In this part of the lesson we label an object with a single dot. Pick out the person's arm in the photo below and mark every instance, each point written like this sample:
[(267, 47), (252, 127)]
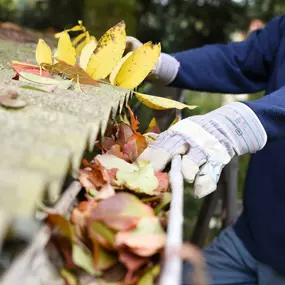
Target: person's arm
[(242, 67), (270, 111)]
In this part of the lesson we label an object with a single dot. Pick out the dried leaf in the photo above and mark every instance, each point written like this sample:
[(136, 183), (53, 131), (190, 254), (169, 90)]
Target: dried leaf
[(132, 262), (134, 146), (72, 72), (116, 150), (6, 101), (65, 50), (108, 52), (134, 121), (121, 212), (43, 53), (146, 239), (86, 53), (137, 66), (160, 103), (62, 223), (97, 175)]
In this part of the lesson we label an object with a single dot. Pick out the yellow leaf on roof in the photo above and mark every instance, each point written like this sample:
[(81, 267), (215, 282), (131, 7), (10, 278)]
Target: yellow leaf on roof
[(76, 28), (108, 52), (43, 53), (160, 103), (137, 66), (65, 49), (118, 67), (86, 53)]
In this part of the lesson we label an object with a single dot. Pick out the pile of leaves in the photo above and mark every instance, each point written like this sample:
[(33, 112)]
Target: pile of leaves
[(118, 233)]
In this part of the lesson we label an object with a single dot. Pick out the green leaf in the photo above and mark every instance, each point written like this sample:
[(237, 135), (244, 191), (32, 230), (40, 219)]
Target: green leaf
[(149, 277), (142, 181), (166, 199), (83, 259)]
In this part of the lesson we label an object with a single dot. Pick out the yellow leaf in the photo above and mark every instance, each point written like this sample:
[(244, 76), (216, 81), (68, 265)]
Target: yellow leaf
[(136, 68), (118, 67), (108, 52), (79, 38), (86, 53), (160, 103), (65, 49), (76, 28), (43, 53)]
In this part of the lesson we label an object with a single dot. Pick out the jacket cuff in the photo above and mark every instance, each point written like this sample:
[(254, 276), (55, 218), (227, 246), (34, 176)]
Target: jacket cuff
[(167, 68)]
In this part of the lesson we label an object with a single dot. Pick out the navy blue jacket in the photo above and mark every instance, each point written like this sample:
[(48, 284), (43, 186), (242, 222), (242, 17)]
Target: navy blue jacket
[(255, 64)]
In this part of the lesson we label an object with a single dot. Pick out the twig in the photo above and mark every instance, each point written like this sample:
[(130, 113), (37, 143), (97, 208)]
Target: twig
[(24, 262)]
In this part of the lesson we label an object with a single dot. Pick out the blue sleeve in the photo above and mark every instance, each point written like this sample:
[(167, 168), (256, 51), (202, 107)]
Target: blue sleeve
[(236, 68), (270, 110)]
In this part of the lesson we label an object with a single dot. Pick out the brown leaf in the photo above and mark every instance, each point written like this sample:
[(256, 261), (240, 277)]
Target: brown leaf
[(79, 217), (96, 177), (132, 262), (72, 72), (121, 212), (134, 146), (62, 223), (6, 101)]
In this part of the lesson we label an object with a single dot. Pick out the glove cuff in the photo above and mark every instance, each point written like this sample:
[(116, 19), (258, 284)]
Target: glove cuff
[(236, 126), (166, 68)]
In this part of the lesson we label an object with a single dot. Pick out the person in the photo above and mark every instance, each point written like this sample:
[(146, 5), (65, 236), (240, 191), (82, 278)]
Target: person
[(252, 251)]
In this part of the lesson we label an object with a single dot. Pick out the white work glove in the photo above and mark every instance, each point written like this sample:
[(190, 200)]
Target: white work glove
[(166, 67), (208, 143)]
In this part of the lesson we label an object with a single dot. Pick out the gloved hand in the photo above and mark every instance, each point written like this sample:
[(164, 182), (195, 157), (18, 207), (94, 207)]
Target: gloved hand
[(208, 143), (166, 67)]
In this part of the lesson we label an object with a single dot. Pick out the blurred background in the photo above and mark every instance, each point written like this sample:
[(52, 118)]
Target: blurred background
[(177, 24)]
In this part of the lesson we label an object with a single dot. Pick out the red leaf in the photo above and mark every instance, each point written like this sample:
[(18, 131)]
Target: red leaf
[(116, 150), (163, 182), (147, 239), (121, 212), (135, 145), (133, 263), (28, 67)]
